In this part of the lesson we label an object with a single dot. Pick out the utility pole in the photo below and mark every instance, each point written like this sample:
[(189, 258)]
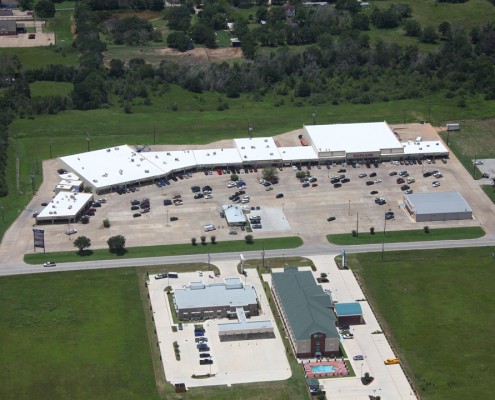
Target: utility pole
[(357, 224), (384, 231), (263, 256), (474, 166), (50, 143), (154, 135), (314, 117), (250, 130), (88, 139)]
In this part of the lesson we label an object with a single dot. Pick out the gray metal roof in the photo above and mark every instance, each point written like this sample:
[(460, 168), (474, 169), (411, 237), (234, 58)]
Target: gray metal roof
[(307, 306), (243, 326), (438, 202), (198, 295)]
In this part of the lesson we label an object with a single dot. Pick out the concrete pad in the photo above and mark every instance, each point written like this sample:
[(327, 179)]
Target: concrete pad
[(235, 361)]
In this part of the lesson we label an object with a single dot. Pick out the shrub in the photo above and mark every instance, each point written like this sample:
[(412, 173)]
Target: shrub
[(249, 239), (426, 229), (300, 174), (234, 177), (213, 240), (203, 240), (354, 233), (106, 223), (372, 230), (193, 241)]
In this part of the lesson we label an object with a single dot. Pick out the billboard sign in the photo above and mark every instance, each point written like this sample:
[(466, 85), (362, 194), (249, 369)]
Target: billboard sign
[(39, 238)]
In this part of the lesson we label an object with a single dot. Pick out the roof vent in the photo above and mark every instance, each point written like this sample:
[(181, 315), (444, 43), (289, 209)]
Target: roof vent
[(95, 180), (147, 171), (156, 155), (116, 148), (242, 147), (176, 159), (266, 140), (214, 153), (109, 150), (168, 154)]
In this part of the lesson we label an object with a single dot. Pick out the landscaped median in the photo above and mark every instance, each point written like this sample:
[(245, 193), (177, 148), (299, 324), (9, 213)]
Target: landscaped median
[(289, 242), (417, 235)]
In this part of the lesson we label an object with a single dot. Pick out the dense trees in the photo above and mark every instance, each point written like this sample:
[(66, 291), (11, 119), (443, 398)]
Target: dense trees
[(45, 9), (116, 244)]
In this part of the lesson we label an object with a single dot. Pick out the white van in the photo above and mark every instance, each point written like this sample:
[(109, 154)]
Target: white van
[(209, 228)]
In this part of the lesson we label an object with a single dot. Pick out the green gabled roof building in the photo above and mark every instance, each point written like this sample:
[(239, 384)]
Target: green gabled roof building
[(307, 313)]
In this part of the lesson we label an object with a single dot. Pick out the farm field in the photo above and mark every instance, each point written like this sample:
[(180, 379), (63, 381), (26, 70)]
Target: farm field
[(78, 335), (431, 305)]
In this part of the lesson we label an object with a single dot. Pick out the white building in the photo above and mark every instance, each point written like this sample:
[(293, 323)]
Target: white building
[(65, 206)]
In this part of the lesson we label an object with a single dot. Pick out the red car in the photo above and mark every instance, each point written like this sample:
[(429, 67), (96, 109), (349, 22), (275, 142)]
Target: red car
[(219, 171)]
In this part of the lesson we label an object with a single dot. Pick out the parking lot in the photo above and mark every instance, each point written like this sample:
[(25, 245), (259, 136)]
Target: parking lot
[(301, 211), (233, 361)]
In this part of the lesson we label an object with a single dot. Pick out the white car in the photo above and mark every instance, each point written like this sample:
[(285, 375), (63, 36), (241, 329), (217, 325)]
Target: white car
[(208, 196), (378, 181), (294, 168), (209, 227), (50, 264), (478, 162), (245, 199), (70, 231), (231, 185), (411, 180), (261, 181), (435, 184)]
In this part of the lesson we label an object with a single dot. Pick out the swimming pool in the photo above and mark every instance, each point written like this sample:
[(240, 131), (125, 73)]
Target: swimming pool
[(322, 369)]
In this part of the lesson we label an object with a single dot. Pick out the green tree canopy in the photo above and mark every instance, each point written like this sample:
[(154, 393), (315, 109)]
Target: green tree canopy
[(82, 242), (116, 244), (45, 9)]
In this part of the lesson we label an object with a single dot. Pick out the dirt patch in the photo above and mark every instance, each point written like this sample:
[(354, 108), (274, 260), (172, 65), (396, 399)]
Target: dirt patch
[(202, 55)]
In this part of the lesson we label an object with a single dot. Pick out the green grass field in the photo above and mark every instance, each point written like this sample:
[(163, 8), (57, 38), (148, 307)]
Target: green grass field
[(417, 235), (78, 335), (169, 250), (433, 304), (46, 88)]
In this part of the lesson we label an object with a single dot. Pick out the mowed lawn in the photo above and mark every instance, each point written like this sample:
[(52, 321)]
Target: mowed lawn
[(75, 335), (438, 307)]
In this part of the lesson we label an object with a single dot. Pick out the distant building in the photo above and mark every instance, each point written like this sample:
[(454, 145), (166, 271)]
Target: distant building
[(307, 313), (8, 28), (349, 314), (6, 13), (290, 10)]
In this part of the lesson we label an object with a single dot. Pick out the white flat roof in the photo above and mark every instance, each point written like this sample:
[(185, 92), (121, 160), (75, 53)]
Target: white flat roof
[(113, 166), (234, 213), (296, 153), (217, 156), (427, 147), (64, 205), (169, 161), (353, 138), (70, 182), (69, 176), (257, 149)]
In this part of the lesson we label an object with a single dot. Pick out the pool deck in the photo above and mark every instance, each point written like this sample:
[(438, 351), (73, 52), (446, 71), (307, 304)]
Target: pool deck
[(339, 369)]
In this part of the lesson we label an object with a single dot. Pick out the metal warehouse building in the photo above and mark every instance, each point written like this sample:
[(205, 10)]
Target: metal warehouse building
[(440, 206)]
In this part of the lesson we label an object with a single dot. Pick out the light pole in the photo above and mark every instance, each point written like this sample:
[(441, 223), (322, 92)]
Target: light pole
[(357, 224), (384, 230), (474, 166), (314, 117), (250, 130), (167, 219), (362, 369), (50, 144), (3, 216), (88, 139), (209, 261)]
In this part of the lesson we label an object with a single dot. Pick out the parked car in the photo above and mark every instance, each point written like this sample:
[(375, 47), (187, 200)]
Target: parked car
[(279, 196), (174, 219), (205, 355), (70, 231), (363, 175), (359, 357), (369, 183), (435, 184), (393, 173), (198, 195), (390, 361), (136, 215), (161, 276), (331, 219), (203, 350), (167, 202), (195, 189), (50, 264), (133, 208), (206, 361), (372, 175), (389, 215), (305, 184), (337, 185), (209, 227)]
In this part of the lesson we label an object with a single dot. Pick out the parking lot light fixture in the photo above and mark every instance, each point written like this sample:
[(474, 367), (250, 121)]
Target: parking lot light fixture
[(384, 231)]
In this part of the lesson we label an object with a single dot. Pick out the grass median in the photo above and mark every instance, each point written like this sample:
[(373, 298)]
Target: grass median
[(416, 235), (434, 306), (289, 242)]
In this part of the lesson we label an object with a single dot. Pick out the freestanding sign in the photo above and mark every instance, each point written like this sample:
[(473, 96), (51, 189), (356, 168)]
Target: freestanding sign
[(39, 238), (344, 261)]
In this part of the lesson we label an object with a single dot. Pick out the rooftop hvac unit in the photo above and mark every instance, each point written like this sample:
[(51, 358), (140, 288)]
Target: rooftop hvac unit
[(176, 159), (156, 155), (116, 148), (253, 147), (271, 154), (95, 180), (132, 159), (70, 207), (108, 150), (243, 148), (266, 140), (147, 171), (214, 153), (121, 172), (168, 154)]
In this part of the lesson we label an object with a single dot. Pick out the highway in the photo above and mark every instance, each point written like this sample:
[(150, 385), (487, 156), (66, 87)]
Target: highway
[(303, 251)]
